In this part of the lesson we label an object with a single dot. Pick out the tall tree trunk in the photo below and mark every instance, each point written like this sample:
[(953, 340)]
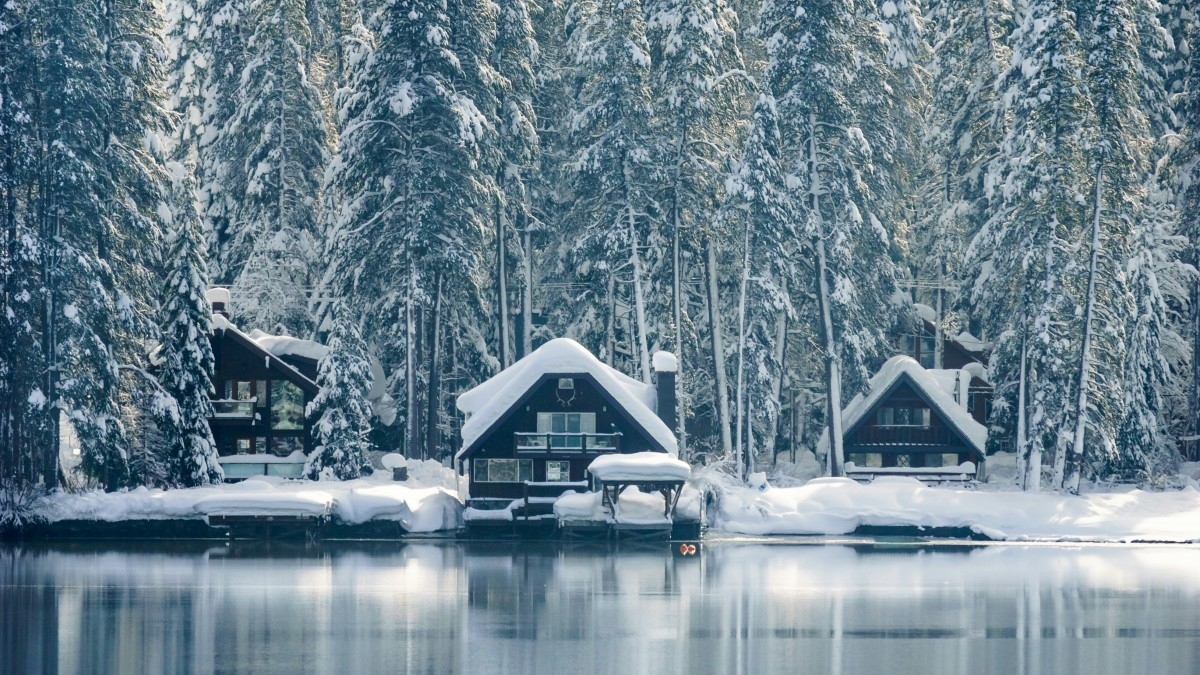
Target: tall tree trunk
[(527, 291), (781, 328), (677, 306), (1074, 462), (639, 302), (412, 434), (434, 396), (502, 284), (610, 327), (833, 366), (721, 381), (743, 453), (1030, 455)]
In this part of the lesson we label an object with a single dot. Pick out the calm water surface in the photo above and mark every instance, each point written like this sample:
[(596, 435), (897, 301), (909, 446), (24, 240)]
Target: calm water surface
[(737, 607)]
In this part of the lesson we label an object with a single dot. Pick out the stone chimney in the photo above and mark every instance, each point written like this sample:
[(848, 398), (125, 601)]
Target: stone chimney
[(666, 367), (219, 299)]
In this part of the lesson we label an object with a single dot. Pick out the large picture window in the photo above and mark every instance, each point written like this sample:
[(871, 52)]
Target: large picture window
[(502, 470), (287, 406), (566, 423)]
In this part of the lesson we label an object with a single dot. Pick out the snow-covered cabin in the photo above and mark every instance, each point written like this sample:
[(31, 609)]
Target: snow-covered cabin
[(532, 430), (262, 383), (913, 420)]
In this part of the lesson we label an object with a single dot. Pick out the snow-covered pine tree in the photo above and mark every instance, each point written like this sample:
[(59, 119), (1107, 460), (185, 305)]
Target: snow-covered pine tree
[(222, 46), (411, 191), (1120, 144), (186, 357), (514, 58), (24, 426), (963, 133), (186, 49), (1186, 161), (845, 135), (697, 76), (341, 414), (759, 199), (93, 204), (1156, 351), (277, 146), (613, 238), (1026, 286)]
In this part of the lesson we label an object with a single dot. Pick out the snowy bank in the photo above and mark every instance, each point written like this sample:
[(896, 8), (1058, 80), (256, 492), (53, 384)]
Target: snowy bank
[(425, 503), (832, 506)]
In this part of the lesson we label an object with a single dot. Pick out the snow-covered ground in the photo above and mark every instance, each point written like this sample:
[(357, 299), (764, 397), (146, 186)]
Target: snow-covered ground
[(426, 502), (832, 506)]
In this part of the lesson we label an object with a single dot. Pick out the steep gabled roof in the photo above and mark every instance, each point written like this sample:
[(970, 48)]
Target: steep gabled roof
[(897, 370), (488, 404), (220, 323)]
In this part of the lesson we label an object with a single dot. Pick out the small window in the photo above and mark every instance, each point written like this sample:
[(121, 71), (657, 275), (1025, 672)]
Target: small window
[(558, 471), (902, 417), (949, 459), (241, 391), (243, 446), (566, 383)]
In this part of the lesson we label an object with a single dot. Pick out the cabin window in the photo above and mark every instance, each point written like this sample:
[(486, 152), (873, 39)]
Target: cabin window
[(243, 446), (241, 391), (287, 406), (565, 429), (927, 351), (902, 417), (872, 460), (558, 471), (502, 470), (950, 459), (566, 383)]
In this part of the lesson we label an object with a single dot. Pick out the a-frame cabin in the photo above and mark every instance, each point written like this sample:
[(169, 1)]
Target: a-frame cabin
[(532, 430)]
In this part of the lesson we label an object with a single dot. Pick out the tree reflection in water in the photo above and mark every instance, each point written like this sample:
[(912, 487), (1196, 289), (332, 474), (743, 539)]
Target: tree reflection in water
[(536, 608)]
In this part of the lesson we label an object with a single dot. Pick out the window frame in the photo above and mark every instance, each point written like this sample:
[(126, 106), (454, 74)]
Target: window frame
[(522, 474)]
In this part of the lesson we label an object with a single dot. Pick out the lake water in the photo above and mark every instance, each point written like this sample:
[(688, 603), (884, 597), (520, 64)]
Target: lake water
[(735, 607)]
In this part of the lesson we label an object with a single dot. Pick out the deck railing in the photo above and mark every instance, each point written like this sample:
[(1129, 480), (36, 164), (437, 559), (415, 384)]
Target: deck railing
[(549, 443), (234, 409)]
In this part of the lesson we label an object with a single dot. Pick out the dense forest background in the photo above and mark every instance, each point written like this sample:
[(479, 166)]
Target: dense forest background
[(763, 187)]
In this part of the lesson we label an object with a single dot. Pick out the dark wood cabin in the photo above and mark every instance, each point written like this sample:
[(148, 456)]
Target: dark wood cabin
[(541, 445), (258, 405), (909, 422)]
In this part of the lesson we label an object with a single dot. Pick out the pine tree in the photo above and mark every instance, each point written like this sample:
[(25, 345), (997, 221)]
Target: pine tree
[(759, 198), (612, 156), (697, 75), (846, 138), (412, 190), (1025, 289), (277, 144), (340, 413), (186, 357), (1186, 161)]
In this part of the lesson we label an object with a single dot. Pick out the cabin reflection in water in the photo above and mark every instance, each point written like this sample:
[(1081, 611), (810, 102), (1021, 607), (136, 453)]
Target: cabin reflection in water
[(532, 608)]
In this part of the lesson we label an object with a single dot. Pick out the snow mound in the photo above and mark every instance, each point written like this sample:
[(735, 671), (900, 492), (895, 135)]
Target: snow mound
[(835, 506), (486, 403), (639, 466), (426, 502)]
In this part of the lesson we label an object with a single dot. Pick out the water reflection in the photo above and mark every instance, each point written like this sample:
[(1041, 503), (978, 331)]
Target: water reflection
[(736, 608)]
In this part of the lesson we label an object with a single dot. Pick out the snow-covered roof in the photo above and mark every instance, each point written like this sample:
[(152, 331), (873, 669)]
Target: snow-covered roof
[(285, 345), (665, 362), (956, 415), (954, 382), (219, 322), (487, 403), (970, 342), (639, 466), (925, 312)]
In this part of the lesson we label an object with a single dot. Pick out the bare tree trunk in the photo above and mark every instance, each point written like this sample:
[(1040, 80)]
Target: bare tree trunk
[(1074, 462), (781, 327), (677, 305), (639, 302), (833, 366), (527, 292), (502, 284), (718, 346), (434, 395), (743, 453), (412, 434)]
